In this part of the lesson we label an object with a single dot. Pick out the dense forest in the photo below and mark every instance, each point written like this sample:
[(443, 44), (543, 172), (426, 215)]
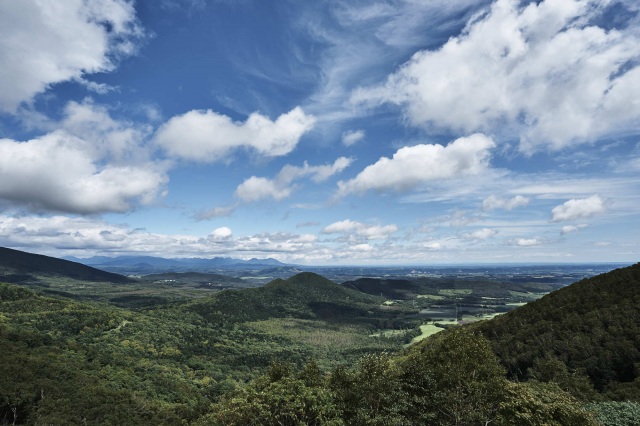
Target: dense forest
[(77, 362), (585, 337), (300, 351)]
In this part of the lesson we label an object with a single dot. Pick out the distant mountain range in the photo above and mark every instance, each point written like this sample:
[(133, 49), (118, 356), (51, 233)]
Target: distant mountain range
[(20, 266), (142, 265)]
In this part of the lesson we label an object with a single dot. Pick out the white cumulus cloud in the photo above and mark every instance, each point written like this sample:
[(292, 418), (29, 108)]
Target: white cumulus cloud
[(414, 165), (206, 136), (578, 208), (90, 164), (543, 68), (47, 42), (258, 188), (222, 233)]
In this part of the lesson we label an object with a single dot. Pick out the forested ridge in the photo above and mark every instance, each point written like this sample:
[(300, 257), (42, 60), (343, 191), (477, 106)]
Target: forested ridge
[(584, 334), (297, 351)]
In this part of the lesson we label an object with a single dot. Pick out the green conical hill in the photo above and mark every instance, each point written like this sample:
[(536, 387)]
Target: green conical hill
[(305, 295)]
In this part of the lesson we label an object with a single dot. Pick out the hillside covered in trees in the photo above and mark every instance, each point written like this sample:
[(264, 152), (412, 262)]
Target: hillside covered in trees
[(68, 361), (568, 359), (585, 336), (304, 351)]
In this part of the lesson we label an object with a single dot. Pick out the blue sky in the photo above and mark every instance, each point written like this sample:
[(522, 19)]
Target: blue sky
[(324, 133)]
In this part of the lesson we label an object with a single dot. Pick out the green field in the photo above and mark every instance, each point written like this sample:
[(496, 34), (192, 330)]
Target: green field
[(430, 296), (455, 292), (431, 328)]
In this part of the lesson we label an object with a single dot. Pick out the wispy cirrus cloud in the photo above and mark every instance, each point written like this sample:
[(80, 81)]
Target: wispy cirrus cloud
[(222, 211), (526, 242), (359, 39), (492, 202), (568, 229), (352, 137), (480, 234)]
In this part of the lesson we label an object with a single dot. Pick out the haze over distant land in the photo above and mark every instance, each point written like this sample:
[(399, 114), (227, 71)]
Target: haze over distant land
[(333, 133)]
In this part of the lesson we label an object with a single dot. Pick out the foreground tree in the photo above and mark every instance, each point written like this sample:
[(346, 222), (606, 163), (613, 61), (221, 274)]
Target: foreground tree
[(279, 398)]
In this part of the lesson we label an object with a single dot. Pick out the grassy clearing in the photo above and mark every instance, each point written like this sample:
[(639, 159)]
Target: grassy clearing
[(516, 304), (431, 328), (430, 296), (388, 333), (527, 295), (474, 318), (455, 292)]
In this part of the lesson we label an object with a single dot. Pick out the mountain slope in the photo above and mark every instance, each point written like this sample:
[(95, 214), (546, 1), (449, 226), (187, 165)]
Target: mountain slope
[(591, 327), (18, 265)]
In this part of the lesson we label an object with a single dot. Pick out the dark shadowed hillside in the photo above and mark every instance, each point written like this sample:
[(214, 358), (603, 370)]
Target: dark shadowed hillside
[(588, 330), (391, 289), (305, 295), (17, 266)]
